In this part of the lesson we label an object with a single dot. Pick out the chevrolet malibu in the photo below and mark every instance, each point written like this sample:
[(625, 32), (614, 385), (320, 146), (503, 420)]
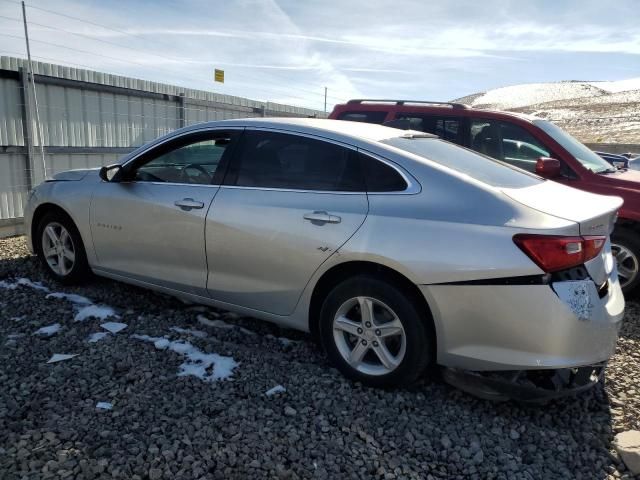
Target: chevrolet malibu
[(397, 250)]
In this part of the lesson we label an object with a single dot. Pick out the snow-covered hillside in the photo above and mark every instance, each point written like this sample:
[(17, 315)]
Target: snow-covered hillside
[(594, 112)]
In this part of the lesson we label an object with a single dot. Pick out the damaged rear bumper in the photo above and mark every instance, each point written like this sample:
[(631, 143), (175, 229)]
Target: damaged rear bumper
[(526, 385)]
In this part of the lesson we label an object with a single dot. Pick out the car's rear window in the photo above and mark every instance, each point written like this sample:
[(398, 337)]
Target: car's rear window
[(482, 168)]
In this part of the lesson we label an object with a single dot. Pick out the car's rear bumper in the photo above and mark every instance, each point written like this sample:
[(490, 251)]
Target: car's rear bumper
[(525, 327), (531, 386)]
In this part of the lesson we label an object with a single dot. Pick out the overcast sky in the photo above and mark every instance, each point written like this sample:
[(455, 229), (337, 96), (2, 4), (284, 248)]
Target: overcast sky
[(287, 51)]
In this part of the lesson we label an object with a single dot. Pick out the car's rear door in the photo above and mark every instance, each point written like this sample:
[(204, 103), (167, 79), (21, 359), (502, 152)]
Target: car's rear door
[(288, 203), (150, 226)]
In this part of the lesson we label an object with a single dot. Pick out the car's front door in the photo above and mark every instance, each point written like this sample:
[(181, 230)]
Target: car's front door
[(288, 203), (150, 226)]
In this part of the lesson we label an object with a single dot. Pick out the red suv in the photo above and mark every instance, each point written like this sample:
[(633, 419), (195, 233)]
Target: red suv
[(527, 142)]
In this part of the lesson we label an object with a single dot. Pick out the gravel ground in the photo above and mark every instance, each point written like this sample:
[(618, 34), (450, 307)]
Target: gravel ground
[(182, 427)]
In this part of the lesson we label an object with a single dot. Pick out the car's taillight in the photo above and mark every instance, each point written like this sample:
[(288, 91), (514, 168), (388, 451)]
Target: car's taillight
[(553, 253)]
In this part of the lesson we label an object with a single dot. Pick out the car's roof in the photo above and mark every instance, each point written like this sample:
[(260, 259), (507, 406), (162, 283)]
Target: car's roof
[(318, 126)]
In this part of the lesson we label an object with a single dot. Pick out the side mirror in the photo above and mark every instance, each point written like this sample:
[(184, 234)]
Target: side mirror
[(548, 167), (111, 173)]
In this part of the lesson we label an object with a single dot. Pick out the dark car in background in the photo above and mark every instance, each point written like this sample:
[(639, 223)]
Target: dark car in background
[(618, 161), (525, 141)]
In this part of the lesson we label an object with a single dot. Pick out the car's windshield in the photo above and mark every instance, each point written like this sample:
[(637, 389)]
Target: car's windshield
[(485, 169), (580, 152)]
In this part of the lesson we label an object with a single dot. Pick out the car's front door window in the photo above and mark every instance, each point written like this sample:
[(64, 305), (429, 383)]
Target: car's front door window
[(195, 162)]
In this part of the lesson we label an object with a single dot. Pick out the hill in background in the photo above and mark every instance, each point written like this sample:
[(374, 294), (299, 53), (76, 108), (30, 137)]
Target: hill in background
[(594, 112)]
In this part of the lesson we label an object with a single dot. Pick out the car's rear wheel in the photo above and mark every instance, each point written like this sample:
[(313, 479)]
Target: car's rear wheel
[(60, 249), (374, 333), (625, 247)]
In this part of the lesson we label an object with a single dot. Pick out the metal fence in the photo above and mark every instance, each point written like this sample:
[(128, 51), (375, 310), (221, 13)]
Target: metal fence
[(89, 119)]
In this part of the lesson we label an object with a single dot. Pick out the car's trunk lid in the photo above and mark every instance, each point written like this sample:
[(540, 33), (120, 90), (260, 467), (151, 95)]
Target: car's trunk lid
[(594, 214)]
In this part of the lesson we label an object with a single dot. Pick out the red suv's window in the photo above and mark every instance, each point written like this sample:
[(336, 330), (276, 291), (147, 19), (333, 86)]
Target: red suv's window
[(447, 128), (368, 117), (507, 142)]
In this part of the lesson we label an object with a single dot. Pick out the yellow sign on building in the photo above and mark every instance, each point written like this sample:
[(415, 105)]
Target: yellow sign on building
[(218, 75)]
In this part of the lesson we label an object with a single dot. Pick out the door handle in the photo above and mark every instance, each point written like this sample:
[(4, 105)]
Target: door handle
[(320, 218), (188, 203)]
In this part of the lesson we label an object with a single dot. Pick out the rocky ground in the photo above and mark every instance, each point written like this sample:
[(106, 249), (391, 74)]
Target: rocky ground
[(162, 425)]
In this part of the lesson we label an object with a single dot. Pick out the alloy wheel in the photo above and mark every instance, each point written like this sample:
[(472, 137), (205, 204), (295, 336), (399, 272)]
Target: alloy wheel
[(627, 262), (369, 336), (58, 249)]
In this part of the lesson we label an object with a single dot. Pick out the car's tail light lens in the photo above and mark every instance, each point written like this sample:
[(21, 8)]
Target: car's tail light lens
[(553, 253)]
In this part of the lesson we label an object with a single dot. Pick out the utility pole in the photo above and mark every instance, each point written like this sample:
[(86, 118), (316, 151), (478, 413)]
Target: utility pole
[(325, 97), (35, 96)]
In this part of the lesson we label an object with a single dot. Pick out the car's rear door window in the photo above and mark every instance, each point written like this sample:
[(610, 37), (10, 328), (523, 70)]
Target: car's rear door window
[(279, 160), (367, 117), (507, 142)]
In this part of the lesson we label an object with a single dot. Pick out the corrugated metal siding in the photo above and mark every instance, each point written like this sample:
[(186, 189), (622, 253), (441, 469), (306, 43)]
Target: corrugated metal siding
[(13, 186), (79, 118), (11, 132)]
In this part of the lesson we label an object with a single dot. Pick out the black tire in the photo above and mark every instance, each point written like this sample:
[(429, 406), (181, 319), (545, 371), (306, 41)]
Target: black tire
[(417, 325), (79, 271), (629, 240)]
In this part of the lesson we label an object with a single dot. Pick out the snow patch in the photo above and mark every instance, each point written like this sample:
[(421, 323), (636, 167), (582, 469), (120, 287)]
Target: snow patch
[(25, 282), (113, 327), (206, 366), (49, 330), (101, 312), (59, 357), (104, 405), (18, 319), (72, 297), (35, 285), (214, 323), (275, 390), (283, 340), (96, 337), (188, 331)]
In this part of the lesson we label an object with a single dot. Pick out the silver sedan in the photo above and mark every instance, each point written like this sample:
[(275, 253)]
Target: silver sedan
[(395, 249)]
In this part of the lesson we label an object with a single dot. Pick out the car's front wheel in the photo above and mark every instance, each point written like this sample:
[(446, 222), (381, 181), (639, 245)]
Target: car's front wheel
[(625, 247), (374, 333), (60, 249)]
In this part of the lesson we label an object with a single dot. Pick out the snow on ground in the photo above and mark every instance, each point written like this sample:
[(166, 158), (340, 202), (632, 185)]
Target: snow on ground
[(593, 112), (72, 297), (24, 282), (515, 96), (60, 357), (189, 331), (275, 390), (101, 312), (96, 337), (619, 85), (49, 330), (85, 307), (104, 405), (214, 323), (113, 327), (206, 366)]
